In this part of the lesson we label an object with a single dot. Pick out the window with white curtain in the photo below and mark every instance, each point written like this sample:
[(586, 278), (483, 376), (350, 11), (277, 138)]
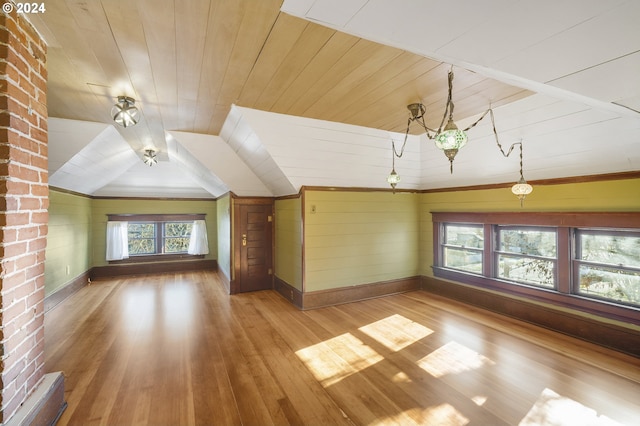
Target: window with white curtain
[(117, 240), (144, 235), (198, 243)]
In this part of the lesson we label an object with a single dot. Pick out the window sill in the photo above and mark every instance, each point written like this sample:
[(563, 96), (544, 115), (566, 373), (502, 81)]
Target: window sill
[(151, 258), (602, 308)]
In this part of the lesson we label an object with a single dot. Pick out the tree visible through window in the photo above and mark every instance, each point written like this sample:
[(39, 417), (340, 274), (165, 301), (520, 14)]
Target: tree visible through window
[(142, 238), (463, 247), (527, 255), (551, 256), (609, 265), (176, 236), (147, 238)]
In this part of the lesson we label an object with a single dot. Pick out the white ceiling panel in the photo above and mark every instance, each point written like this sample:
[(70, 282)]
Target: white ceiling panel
[(104, 158), (318, 153), (616, 80), (217, 156), (163, 180), (68, 137)]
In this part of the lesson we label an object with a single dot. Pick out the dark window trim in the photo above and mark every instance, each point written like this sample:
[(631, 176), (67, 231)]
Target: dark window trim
[(155, 217), (563, 296)]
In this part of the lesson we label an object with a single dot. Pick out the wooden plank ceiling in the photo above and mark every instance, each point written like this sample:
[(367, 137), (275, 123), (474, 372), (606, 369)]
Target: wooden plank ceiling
[(187, 62)]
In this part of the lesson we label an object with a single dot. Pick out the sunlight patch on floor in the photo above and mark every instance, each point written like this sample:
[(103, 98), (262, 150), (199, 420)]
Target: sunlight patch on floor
[(396, 332), (479, 400), (401, 377), (553, 409), (337, 358), (443, 414), (138, 309), (452, 358)]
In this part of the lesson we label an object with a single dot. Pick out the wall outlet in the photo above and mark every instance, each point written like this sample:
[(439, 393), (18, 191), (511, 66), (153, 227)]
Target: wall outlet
[(68, 269)]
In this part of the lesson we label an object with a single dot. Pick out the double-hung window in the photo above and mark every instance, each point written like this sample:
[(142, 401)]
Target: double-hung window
[(526, 255), (607, 265), (149, 236), (589, 261), (463, 247), (158, 237)]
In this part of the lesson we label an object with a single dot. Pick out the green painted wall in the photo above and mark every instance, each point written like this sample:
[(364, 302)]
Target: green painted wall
[(357, 238), (288, 241), (68, 252), (100, 208), (614, 196), (223, 226)]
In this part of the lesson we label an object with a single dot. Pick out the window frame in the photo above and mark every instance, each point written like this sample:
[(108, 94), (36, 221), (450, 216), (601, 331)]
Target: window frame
[(577, 261), (444, 245), (564, 294), (158, 220), (495, 233)]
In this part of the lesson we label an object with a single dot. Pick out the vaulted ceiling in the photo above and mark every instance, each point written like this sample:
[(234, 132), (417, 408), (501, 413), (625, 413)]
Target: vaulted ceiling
[(261, 97)]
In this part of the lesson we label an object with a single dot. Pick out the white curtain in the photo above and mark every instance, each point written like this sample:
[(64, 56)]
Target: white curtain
[(117, 241), (198, 243)]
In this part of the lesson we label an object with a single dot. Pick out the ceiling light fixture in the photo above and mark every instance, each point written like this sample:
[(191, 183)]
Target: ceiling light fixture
[(449, 138), (150, 157), (125, 112), (521, 189)]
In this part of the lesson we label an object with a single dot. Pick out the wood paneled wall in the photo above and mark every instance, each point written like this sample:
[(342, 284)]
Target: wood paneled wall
[(69, 246), (354, 238), (289, 241)]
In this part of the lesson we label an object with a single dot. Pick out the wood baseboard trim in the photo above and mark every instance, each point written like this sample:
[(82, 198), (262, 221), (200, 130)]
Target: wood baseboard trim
[(336, 296), (67, 290), (287, 291), (589, 328), (45, 405), (117, 270)]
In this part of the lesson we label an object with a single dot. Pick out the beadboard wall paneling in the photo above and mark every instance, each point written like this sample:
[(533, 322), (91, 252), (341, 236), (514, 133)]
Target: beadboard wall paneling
[(288, 241), (69, 250), (354, 238)]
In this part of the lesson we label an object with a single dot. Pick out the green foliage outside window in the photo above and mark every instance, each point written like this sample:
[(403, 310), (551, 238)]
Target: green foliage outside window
[(528, 256), (176, 236), (142, 238), (610, 266), (158, 237)]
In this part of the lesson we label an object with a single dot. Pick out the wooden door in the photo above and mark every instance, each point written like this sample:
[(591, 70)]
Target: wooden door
[(255, 246)]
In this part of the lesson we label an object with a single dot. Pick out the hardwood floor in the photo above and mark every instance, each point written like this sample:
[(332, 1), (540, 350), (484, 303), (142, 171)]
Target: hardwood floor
[(175, 349)]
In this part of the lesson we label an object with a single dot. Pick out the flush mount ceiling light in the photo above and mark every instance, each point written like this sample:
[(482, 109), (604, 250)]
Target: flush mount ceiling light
[(150, 157), (125, 112), (449, 138)]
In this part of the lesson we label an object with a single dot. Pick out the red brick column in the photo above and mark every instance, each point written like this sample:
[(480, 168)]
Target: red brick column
[(23, 209)]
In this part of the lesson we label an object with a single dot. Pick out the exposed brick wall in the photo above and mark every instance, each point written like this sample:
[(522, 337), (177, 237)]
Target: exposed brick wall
[(23, 209)]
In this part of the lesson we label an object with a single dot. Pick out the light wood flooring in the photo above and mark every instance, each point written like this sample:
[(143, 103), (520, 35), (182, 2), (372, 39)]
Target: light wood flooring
[(174, 349)]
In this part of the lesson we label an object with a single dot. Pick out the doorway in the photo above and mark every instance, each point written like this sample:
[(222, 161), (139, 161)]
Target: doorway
[(253, 244)]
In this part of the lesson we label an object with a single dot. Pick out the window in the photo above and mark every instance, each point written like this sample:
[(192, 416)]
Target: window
[(608, 265), (169, 235), (586, 261), (463, 247), (142, 238), (527, 255), (147, 238)]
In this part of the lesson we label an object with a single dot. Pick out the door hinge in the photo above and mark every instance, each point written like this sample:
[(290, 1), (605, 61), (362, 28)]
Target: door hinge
[(269, 218), (270, 271)]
